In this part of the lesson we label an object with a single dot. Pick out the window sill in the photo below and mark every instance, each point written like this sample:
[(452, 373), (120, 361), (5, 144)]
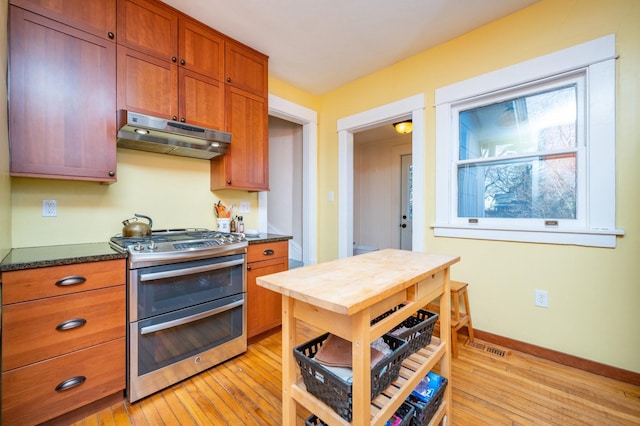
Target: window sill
[(580, 237)]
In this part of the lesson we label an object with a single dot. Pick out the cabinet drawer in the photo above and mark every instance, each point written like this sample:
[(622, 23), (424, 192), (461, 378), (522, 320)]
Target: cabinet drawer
[(29, 394), (264, 251), (38, 283), (30, 330)]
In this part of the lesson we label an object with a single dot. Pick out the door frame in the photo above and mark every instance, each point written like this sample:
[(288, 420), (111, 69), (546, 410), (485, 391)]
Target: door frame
[(411, 107), (308, 119)]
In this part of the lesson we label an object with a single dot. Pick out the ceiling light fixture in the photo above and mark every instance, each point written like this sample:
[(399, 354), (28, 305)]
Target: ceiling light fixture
[(403, 127)]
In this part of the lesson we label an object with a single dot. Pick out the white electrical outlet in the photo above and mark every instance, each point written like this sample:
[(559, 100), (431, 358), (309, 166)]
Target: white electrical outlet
[(49, 208), (541, 298), (245, 207)]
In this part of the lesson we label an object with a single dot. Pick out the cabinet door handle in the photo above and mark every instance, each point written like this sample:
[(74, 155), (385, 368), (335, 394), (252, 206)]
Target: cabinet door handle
[(174, 59), (228, 182), (112, 173), (228, 79), (71, 324), (182, 62), (268, 252), (70, 383), (72, 280), (111, 35), (248, 267)]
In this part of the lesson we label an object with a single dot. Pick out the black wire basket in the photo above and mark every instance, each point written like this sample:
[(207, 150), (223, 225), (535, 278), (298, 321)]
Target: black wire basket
[(419, 328), (405, 413), (335, 391)]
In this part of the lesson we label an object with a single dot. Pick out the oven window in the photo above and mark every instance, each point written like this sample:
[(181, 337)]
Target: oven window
[(170, 338), (162, 289)]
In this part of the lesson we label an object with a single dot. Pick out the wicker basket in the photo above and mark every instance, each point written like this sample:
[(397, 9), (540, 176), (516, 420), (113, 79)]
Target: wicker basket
[(337, 392), (419, 328), (424, 411), (405, 413)]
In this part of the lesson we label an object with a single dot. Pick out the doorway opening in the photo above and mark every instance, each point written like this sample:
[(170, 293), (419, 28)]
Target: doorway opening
[(412, 107), (378, 196), (303, 210)]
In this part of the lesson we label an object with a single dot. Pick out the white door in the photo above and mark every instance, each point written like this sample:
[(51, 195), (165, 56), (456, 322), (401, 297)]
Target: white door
[(406, 203)]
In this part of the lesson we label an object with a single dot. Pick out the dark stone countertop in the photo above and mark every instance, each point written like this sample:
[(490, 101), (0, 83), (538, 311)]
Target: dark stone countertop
[(267, 238), (67, 254)]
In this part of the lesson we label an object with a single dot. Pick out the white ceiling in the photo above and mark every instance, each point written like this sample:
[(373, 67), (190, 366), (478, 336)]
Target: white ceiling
[(319, 45)]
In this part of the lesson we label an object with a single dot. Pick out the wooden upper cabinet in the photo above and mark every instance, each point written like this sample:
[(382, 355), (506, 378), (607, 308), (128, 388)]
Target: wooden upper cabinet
[(97, 17), (169, 65), (201, 49), (246, 68), (246, 164), (62, 103), (201, 100), (149, 27), (147, 84)]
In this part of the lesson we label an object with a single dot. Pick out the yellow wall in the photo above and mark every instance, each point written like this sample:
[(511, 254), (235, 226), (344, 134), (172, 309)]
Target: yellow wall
[(173, 191), (593, 292), (5, 180)]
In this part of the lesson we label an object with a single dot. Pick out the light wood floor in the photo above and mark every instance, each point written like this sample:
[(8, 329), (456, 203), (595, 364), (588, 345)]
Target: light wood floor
[(488, 389)]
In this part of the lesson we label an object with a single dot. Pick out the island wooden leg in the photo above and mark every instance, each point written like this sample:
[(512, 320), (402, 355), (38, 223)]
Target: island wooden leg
[(361, 360), (288, 361), (445, 336)]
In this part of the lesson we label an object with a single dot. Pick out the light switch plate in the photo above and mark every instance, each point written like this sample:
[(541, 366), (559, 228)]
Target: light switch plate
[(245, 207)]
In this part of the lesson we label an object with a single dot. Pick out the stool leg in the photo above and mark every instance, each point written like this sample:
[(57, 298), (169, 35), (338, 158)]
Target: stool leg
[(456, 306), (468, 310), (454, 343)]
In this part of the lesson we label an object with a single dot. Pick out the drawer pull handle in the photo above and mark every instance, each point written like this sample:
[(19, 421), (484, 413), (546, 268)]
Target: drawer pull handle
[(72, 280), (70, 383), (268, 252), (71, 324)]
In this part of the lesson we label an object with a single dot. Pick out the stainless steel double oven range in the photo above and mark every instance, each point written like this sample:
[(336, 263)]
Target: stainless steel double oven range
[(186, 305)]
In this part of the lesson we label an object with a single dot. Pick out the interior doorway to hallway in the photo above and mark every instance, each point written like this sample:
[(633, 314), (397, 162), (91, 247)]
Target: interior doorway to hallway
[(378, 194), (284, 215), (306, 122), (412, 107)]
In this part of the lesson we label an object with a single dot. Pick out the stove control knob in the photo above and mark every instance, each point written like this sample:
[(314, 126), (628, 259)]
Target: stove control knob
[(138, 247), (152, 245)]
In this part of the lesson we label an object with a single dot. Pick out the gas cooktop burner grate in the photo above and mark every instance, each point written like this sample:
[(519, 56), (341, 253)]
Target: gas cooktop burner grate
[(177, 241)]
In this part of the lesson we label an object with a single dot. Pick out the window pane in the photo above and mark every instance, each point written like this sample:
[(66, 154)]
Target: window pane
[(534, 188), (540, 122)]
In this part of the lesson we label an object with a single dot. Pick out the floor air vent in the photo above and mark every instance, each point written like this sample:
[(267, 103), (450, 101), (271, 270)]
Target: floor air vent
[(486, 348)]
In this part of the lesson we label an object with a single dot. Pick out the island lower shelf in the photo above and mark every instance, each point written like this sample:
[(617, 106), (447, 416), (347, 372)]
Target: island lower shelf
[(414, 368)]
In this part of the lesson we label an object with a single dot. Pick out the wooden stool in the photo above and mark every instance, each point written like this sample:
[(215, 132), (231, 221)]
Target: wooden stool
[(459, 320)]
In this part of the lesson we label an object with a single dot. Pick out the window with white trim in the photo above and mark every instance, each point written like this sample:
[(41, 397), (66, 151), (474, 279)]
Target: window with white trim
[(527, 153)]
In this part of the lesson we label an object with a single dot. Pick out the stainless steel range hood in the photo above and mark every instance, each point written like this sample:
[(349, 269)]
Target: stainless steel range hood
[(146, 133)]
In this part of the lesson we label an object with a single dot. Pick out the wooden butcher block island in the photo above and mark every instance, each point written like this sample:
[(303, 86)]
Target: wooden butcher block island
[(342, 297)]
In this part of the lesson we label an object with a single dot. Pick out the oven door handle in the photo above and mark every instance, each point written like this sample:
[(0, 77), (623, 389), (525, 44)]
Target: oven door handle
[(188, 271), (186, 320)]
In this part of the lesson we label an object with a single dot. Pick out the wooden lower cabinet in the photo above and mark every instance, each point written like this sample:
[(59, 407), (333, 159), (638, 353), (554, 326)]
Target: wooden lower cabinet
[(47, 389), (63, 339), (264, 306)]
